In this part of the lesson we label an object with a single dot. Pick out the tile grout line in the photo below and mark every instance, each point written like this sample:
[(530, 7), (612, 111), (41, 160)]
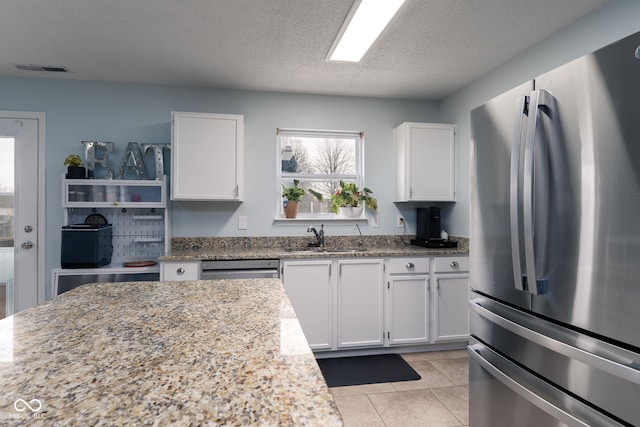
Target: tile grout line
[(376, 409)]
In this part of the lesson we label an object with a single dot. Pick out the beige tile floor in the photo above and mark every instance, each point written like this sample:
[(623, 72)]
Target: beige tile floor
[(439, 398)]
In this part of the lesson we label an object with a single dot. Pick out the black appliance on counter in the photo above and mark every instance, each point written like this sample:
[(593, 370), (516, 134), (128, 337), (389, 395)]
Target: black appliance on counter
[(428, 229), (86, 245)]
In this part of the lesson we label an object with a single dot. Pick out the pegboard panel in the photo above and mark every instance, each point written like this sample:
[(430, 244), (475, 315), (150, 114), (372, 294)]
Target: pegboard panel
[(138, 233)]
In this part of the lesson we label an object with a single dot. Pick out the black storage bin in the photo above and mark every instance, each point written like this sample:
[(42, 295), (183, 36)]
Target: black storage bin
[(86, 245)]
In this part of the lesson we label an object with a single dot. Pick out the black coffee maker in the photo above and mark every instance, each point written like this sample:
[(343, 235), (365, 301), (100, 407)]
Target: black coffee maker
[(428, 229)]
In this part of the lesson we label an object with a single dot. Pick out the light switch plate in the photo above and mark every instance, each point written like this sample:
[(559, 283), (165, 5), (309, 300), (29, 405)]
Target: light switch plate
[(374, 221), (242, 222)]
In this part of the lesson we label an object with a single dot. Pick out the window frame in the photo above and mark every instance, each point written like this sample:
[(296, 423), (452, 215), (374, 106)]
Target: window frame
[(358, 177)]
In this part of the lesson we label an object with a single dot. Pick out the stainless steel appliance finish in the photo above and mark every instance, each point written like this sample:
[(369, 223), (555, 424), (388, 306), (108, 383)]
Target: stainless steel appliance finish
[(240, 269), (69, 282), (554, 247)]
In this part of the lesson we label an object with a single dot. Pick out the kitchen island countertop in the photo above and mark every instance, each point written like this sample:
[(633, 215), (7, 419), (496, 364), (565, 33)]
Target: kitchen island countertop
[(227, 352)]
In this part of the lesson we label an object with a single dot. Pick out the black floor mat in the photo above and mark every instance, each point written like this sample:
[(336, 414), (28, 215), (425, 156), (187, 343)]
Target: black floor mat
[(383, 368)]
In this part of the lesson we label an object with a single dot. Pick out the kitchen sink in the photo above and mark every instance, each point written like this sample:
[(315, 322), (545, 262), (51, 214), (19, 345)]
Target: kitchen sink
[(323, 250), (344, 250), (303, 250)]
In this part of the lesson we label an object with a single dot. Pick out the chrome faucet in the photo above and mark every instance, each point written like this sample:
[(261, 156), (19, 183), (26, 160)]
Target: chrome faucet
[(319, 234), (361, 241)]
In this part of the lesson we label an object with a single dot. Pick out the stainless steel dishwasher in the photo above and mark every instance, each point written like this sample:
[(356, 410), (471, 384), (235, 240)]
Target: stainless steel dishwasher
[(240, 269)]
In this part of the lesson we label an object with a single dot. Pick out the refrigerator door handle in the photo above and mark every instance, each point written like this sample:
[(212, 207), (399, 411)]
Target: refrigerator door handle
[(515, 200), (613, 365), (536, 192), (477, 354)]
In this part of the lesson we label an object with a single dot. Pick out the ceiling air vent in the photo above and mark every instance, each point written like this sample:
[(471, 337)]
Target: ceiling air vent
[(34, 67)]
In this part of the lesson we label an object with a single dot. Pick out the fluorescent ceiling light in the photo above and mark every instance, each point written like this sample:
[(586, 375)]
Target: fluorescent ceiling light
[(366, 24)]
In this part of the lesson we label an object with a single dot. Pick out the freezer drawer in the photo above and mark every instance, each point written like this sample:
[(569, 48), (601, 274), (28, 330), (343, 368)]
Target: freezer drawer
[(505, 395), (596, 371)]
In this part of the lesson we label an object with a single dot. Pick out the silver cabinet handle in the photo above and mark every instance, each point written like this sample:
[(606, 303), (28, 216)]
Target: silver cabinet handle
[(454, 264), (180, 270), (410, 265), (27, 245)]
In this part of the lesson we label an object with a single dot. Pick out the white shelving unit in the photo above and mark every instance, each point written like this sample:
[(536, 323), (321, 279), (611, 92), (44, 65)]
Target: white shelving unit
[(137, 210)]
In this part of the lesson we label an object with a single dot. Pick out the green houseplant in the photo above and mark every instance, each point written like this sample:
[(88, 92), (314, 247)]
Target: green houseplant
[(75, 170), (348, 196), (294, 194)]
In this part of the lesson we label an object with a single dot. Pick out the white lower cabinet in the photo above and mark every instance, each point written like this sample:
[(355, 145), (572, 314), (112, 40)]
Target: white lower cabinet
[(408, 301), (309, 288), (339, 303), (179, 271), (360, 303), (349, 304), (409, 313), (451, 279)]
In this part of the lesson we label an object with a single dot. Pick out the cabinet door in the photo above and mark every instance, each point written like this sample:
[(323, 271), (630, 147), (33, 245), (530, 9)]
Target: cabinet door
[(452, 316), (207, 155), (424, 162), (432, 163), (409, 310), (78, 193), (308, 286), (360, 303)]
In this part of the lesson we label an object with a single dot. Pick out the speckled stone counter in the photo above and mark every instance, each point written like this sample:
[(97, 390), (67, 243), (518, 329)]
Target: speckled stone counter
[(228, 352), (229, 248)]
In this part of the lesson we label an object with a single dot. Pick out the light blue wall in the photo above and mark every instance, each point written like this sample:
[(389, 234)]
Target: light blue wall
[(77, 111), (613, 22)]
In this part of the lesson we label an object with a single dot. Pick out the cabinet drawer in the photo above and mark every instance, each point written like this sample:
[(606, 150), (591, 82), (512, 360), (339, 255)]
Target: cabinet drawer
[(451, 264), (180, 271), (408, 265)]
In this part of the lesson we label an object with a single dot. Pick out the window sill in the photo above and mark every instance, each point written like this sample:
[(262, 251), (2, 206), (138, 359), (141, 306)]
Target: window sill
[(312, 220)]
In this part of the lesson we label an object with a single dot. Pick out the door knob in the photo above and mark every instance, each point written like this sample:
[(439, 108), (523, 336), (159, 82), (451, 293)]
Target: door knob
[(410, 265), (28, 228), (180, 270), (27, 245), (454, 264)]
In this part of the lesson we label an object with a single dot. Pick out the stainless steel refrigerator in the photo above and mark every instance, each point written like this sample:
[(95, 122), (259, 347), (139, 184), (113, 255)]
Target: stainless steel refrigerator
[(555, 247)]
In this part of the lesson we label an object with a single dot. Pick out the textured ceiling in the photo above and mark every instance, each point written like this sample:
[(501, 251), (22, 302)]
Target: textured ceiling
[(431, 49)]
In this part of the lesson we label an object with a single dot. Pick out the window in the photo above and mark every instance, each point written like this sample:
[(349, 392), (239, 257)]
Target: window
[(318, 160)]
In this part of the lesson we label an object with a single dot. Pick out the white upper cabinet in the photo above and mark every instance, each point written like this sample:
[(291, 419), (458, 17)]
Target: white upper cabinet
[(424, 162), (207, 156)]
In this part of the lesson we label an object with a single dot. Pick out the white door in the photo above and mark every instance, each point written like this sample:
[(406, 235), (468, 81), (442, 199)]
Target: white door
[(21, 220)]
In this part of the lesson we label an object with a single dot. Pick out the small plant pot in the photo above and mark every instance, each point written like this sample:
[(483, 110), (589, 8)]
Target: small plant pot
[(291, 210), (351, 211), (76, 172)]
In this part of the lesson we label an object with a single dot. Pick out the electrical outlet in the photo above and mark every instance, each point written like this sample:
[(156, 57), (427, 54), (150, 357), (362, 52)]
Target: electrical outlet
[(242, 222), (374, 221), (399, 221)]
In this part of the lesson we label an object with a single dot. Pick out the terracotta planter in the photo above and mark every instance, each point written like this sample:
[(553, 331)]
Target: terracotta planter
[(351, 212), (291, 209)]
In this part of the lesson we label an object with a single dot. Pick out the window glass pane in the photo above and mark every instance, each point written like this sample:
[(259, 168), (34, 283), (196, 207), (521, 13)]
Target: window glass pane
[(6, 191), (309, 155)]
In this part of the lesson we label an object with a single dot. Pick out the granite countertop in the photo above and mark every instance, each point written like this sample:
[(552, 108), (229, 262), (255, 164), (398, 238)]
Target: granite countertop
[(226, 352), (193, 249)]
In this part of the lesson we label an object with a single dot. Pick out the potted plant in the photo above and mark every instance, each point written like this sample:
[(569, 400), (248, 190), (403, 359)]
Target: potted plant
[(350, 201), (75, 170), (294, 194)]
